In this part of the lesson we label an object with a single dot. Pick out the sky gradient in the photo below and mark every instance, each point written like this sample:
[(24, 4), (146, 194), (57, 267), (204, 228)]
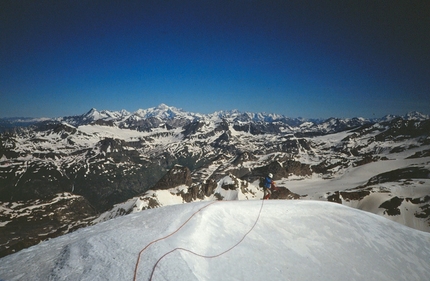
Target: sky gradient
[(312, 59)]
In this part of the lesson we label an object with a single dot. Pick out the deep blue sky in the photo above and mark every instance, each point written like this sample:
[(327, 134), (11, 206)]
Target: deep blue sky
[(314, 59)]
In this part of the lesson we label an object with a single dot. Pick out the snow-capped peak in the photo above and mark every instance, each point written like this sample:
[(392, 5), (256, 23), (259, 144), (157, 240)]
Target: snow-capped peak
[(94, 115), (412, 115), (415, 115), (163, 112)]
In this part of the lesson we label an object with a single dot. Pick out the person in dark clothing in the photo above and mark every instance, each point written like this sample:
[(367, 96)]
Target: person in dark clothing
[(269, 186)]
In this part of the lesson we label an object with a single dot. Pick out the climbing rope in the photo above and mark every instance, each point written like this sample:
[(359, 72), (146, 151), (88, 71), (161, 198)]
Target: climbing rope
[(159, 239), (209, 256), (189, 251)]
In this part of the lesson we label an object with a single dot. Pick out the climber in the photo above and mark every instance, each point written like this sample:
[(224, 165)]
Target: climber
[(269, 186)]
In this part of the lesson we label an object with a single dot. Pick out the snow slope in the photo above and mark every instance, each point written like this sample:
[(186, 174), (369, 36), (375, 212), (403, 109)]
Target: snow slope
[(287, 240), (353, 177)]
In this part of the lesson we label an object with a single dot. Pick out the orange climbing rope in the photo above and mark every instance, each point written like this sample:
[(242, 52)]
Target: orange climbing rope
[(187, 250), (159, 239)]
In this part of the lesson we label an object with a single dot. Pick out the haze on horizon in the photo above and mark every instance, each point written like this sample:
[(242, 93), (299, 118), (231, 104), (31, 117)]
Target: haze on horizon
[(311, 59)]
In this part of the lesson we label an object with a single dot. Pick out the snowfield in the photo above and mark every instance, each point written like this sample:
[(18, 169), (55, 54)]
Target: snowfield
[(353, 177), (257, 240)]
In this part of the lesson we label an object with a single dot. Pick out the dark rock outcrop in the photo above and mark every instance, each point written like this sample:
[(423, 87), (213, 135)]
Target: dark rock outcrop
[(284, 193), (35, 220), (178, 175)]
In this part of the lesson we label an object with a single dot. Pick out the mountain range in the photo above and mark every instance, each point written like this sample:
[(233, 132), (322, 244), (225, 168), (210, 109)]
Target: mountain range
[(61, 174)]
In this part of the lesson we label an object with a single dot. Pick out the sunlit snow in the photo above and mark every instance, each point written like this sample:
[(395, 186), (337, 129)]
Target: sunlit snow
[(291, 240)]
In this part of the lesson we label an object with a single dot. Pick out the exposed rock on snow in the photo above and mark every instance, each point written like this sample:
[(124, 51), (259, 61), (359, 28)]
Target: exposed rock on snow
[(176, 176)]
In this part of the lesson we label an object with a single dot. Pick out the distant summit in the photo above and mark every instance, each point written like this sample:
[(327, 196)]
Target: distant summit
[(163, 112), (415, 115)]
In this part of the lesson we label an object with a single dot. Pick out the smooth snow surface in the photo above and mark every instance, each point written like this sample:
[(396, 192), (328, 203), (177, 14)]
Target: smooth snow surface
[(292, 240)]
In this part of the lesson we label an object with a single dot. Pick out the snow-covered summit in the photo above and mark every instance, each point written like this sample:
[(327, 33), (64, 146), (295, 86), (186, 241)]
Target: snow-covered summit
[(415, 115), (94, 115), (164, 112), (248, 240), (237, 115)]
